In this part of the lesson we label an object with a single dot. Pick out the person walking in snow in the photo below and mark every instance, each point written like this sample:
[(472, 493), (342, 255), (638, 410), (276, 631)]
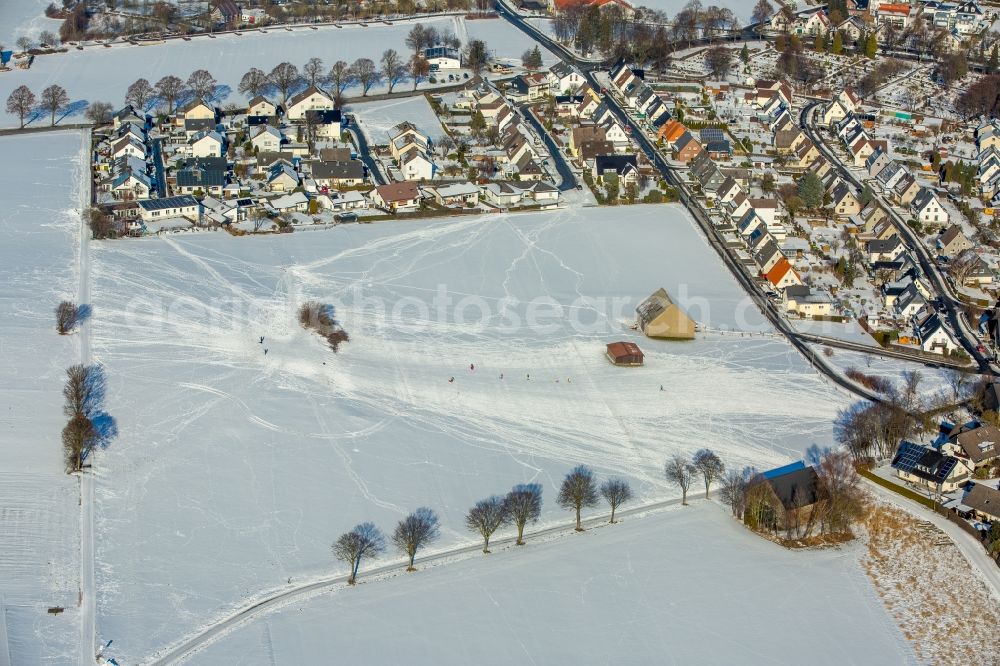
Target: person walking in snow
[(472, 366), (451, 380)]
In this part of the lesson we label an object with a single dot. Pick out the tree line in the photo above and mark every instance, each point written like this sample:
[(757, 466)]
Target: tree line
[(521, 505)]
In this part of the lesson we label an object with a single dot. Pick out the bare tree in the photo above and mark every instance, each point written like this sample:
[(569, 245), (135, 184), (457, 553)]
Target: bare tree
[(680, 472), (957, 381), (54, 98), (416, 38), (312, 71), (734, 490), (839, 485), (340, 77), (285, 77), (253, 82), (202, 84), (762, 11), (486, 517), (139, 94), (415, 531), (578, 491), (48, 38), (393, 68), (710, 466), (79, 438), (21, 102), (67, 317), (99, 113), (365, 540), (363, 71), (616, 492), (523, 504), (476, 55), (23, 43), (168, 89), (84, 390), (419, 69)]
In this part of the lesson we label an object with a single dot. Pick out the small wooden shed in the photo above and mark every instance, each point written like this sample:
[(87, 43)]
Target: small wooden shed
[(624, 353)]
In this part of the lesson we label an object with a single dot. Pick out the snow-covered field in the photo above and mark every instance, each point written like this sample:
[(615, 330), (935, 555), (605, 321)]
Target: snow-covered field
[(23, 17), (235, 470), (686, 586), (376, 119), (104, 74), (39, 512)]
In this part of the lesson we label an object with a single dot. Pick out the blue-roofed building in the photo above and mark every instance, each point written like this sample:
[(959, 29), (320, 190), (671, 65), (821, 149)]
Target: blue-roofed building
[(5, 57), (779, 471), (929, 468)]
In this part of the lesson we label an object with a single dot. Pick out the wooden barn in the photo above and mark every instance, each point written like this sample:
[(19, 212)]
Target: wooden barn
[(660, 317), (624, 353)]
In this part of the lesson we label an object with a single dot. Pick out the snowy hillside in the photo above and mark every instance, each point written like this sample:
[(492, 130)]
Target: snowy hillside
[(235, 470), (688, 586), (39, 503)]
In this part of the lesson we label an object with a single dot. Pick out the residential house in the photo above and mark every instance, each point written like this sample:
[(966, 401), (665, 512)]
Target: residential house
[(623, 166), (844, 203), (686, 148), (978, 443), (282, 178), (404, 195), (586, 134), (928, 468), (130, 185), (261, 110), (784, 498), (563, 77), (782, 275), (195, 110), (310, 99), (455, 194), (952, 242), (415, 165), (154, 210), (265, 138), (933, 335), (338, 175), (927, 208), (325, 123), (200, 179), (502, 194), (884, 250), (984, 501), (207, 144), (807, 302)]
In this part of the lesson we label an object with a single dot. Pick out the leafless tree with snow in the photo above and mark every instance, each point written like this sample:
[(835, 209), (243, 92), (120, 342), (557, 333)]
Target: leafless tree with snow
[(365, 540), (524, 505), (710, 467), (486, 517), (616, 492), (680, 472), (414, 532), (578, 491)]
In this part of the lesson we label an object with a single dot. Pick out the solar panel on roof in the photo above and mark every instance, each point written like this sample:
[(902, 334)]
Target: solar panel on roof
[(907, 456), (711, 134)]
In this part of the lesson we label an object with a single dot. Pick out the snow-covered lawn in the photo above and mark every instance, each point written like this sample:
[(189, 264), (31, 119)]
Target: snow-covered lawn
[(39, 512), (685, 586), (24, 17), (234, 469), (376, 119), (104, 74)]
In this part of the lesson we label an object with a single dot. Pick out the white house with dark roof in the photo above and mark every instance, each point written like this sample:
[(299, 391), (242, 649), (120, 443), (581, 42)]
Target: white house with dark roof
[(927, 208)]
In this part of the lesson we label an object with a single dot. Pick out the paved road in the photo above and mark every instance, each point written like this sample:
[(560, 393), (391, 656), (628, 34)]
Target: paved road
[(218, 629), (364, 152), (161, 176), (884, 351), (927, 264), (562, 166)]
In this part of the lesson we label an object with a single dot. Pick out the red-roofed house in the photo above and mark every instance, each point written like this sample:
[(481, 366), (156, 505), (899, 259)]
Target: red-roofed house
[(783, 275)]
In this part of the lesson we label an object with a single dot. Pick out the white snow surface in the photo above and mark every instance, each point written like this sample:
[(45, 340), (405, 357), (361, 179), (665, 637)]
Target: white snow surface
[(235, 470), (104, 74), (39, 502), (20, 18), (685, 586), (376, 119)]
